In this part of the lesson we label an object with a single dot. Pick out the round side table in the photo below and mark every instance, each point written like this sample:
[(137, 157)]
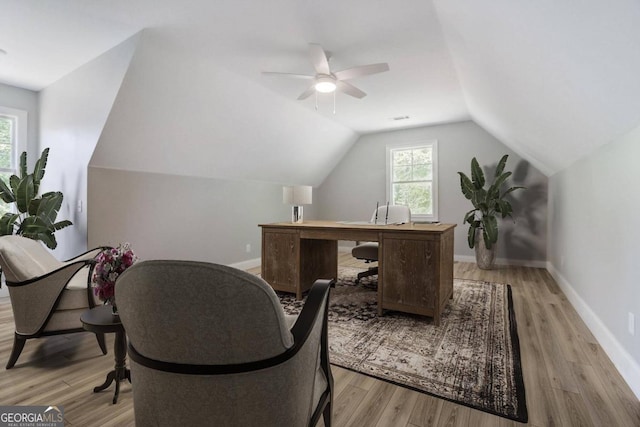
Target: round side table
[(101, 319)]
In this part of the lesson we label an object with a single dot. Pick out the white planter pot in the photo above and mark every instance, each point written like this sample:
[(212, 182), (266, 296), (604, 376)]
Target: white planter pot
[(484, 257)]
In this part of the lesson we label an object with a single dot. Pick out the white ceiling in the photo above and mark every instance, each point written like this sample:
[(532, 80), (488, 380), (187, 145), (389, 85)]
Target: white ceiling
[(550, 79), (48, 39)]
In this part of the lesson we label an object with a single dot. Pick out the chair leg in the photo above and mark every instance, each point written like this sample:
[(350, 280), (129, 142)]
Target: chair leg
[(18, 345), (102, 343), (326, 414)]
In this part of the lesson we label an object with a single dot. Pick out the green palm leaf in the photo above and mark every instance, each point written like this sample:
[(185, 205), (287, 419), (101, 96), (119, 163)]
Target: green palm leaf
[(5, 193), (25, 193), (476, 174)]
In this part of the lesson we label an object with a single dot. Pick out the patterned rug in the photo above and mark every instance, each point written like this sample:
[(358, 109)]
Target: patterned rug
[(472, 358)]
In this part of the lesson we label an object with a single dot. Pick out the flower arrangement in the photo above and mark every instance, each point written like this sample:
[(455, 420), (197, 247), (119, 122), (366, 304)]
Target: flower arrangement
[(110, 264)]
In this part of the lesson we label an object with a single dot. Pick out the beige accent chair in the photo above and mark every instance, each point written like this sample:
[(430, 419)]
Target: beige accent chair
[(47, 295), (211, 345), (369, 251)]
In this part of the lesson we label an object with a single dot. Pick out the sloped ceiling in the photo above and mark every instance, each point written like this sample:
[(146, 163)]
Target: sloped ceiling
[(179, 114), (552, 80)]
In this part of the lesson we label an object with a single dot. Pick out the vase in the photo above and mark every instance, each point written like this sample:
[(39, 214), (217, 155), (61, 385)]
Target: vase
[(114, 308), (484, 257)]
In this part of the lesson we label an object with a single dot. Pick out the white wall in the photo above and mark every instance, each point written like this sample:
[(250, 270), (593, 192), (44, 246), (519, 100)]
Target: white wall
[(594, 246), (73, 112), (359, 181), (180, 217)]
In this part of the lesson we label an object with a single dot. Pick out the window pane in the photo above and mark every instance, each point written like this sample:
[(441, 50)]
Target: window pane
[(416, 195), (401, 157), (6, 135), (422, 155), (422, 172), (402, 173)]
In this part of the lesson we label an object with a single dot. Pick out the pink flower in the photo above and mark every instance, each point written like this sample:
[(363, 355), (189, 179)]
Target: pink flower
[(110, 264)]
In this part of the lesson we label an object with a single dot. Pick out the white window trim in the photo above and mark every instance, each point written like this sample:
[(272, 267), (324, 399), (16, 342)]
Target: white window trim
[(417, 144), (21, 132)]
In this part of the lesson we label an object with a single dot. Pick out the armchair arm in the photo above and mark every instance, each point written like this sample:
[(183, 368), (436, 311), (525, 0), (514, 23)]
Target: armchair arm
[(318, 294), (90, 254), (34, 300)]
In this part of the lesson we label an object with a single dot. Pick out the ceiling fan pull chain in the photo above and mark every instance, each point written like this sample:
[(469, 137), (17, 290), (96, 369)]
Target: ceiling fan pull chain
[(334, 102)]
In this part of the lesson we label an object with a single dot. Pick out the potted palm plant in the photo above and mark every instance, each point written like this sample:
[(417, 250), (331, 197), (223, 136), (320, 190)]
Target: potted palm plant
[(488, 204), (34, 216)]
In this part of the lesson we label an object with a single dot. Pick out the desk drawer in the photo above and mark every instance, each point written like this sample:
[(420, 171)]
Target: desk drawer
[(280, 259)]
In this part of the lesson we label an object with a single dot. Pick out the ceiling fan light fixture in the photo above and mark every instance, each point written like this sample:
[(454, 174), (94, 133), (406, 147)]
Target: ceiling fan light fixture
[(325, 85)]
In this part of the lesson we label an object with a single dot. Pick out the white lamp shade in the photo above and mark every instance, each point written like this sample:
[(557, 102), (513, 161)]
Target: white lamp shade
[(297, 195)]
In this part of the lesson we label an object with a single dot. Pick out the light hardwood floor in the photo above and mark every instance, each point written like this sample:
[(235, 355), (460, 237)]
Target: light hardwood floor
[(569, 380)]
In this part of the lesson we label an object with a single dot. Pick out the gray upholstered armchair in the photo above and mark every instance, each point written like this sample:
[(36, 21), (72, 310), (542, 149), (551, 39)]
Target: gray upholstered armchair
[(211, 345), (47, 295)]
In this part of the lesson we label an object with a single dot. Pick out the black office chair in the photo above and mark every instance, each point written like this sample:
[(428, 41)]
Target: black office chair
[(369, 251)]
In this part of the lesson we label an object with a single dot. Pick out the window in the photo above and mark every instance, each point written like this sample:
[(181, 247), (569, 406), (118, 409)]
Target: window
[(412, 178), (13, 124)]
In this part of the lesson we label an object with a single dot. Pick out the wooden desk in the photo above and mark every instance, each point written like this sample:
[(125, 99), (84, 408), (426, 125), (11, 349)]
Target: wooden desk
[(415, 267)]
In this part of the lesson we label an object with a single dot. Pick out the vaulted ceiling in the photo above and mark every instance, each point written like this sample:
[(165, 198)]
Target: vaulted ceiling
[(552, 80)]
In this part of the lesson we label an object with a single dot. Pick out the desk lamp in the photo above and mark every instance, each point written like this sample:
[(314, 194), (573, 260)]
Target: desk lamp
[(296, 196)]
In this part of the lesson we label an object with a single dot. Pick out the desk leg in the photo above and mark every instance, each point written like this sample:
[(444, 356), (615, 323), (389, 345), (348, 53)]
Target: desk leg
[(318, 260), (120, 373)]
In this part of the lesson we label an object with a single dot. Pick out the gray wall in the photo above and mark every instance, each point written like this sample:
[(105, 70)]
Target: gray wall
[(594, 246), (351, 190), (73, 112), (179, 217)]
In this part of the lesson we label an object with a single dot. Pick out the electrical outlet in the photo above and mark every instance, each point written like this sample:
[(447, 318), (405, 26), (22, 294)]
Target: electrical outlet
[(79, 206), (632, 324), (248, 248)]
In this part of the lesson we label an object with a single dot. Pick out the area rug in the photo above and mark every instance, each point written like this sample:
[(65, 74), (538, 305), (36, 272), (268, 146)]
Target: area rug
[(472, 358)]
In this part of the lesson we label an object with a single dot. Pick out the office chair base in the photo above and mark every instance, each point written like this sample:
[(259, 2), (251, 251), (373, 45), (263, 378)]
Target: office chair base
[(370, 272)]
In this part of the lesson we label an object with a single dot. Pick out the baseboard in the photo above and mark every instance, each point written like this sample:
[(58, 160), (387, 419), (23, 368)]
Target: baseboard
[(246, 265), (504, 261), (622, 360)]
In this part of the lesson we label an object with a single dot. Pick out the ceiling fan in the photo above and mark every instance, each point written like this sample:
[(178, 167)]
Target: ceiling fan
[(325, 81)]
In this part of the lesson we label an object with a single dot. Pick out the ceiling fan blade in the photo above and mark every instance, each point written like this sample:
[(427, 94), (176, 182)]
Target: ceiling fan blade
[(319, 59), (295, 76), (363, 70), (350, 89), (307, 93)]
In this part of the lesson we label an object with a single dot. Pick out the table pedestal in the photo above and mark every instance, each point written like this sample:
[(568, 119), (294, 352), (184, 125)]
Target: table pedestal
[(120, 373), (102, 320)]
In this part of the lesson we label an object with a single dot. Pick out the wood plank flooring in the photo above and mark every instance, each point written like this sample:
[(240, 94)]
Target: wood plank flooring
[(569, 379)]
